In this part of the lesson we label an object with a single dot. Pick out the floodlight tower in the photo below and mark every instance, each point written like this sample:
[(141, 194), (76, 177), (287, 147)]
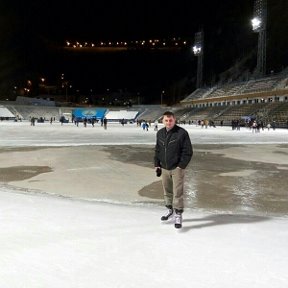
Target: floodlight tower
[(259, 23), (198, 50)]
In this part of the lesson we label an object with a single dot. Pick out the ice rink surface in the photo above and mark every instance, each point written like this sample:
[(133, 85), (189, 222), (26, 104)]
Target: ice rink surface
[(22, 134), (49, 241)]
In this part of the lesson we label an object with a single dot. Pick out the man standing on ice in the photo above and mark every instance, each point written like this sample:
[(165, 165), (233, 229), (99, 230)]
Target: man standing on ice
[(173, 152)]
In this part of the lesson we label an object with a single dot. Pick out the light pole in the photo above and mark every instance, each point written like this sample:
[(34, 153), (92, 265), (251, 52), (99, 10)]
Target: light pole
[(161, 100), (42, 85), (259, 26), (65, 85), (198, 50)]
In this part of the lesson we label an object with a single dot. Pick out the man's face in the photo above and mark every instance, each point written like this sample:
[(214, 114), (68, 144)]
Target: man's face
[(169, 121)]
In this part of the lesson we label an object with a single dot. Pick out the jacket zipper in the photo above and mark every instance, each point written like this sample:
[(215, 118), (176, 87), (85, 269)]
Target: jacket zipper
[(165, 146)]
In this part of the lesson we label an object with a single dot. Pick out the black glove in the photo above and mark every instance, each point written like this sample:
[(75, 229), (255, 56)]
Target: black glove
[(158, 172)]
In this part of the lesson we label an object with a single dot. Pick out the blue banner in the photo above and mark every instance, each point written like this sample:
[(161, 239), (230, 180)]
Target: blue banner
[(89, 113)]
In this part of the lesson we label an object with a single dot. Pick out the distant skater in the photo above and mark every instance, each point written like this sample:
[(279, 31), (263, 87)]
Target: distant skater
[(105, 123), (156, 125)]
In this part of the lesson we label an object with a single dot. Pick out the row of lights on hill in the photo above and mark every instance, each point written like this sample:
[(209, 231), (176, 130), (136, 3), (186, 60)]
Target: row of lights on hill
[(155, 42)]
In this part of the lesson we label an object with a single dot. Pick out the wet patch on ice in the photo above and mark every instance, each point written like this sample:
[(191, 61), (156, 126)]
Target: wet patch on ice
[(282, 152), (19, 173), (274, 154), (138, 155), (226, 184), (282, 167), (153, 190), (216, 179), (241, 173), (21, 149)]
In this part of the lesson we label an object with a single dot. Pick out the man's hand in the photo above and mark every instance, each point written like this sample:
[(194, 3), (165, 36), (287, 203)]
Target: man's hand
[(158, 171)]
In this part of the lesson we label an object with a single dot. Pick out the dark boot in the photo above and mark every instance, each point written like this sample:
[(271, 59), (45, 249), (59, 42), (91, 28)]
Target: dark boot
[(168, 215), (178, 218)]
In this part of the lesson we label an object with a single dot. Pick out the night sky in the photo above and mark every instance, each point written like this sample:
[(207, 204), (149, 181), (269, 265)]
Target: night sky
[(32, 34)]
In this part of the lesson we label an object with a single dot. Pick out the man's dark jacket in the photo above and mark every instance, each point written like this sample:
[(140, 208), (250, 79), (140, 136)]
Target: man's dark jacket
[(173, 148)]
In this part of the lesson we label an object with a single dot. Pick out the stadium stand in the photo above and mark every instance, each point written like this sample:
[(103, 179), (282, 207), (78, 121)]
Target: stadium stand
[(237, 112), (180, 112), (262, 85), (21, 100), (202, 113), (277, 112), (5, 113), (152, 113), (199, 93), (229, 89), (240, 88), (45, 112), (264, 99)]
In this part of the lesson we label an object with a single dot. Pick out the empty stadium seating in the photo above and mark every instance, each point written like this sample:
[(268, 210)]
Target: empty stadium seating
[(152, 113), (199, 93), (240, 88), (224, 90), (202, 113), (26, 112), (6, 113), (261, 85)]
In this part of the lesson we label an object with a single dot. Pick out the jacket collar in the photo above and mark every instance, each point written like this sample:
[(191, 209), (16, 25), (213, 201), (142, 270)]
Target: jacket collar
[(172, 129)]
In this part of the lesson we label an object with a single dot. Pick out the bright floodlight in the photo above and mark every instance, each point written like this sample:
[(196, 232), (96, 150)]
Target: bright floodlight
[(197, 50), (256, 24)]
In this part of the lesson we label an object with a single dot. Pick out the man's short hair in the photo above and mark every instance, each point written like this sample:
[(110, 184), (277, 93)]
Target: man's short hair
[(169, 114)]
